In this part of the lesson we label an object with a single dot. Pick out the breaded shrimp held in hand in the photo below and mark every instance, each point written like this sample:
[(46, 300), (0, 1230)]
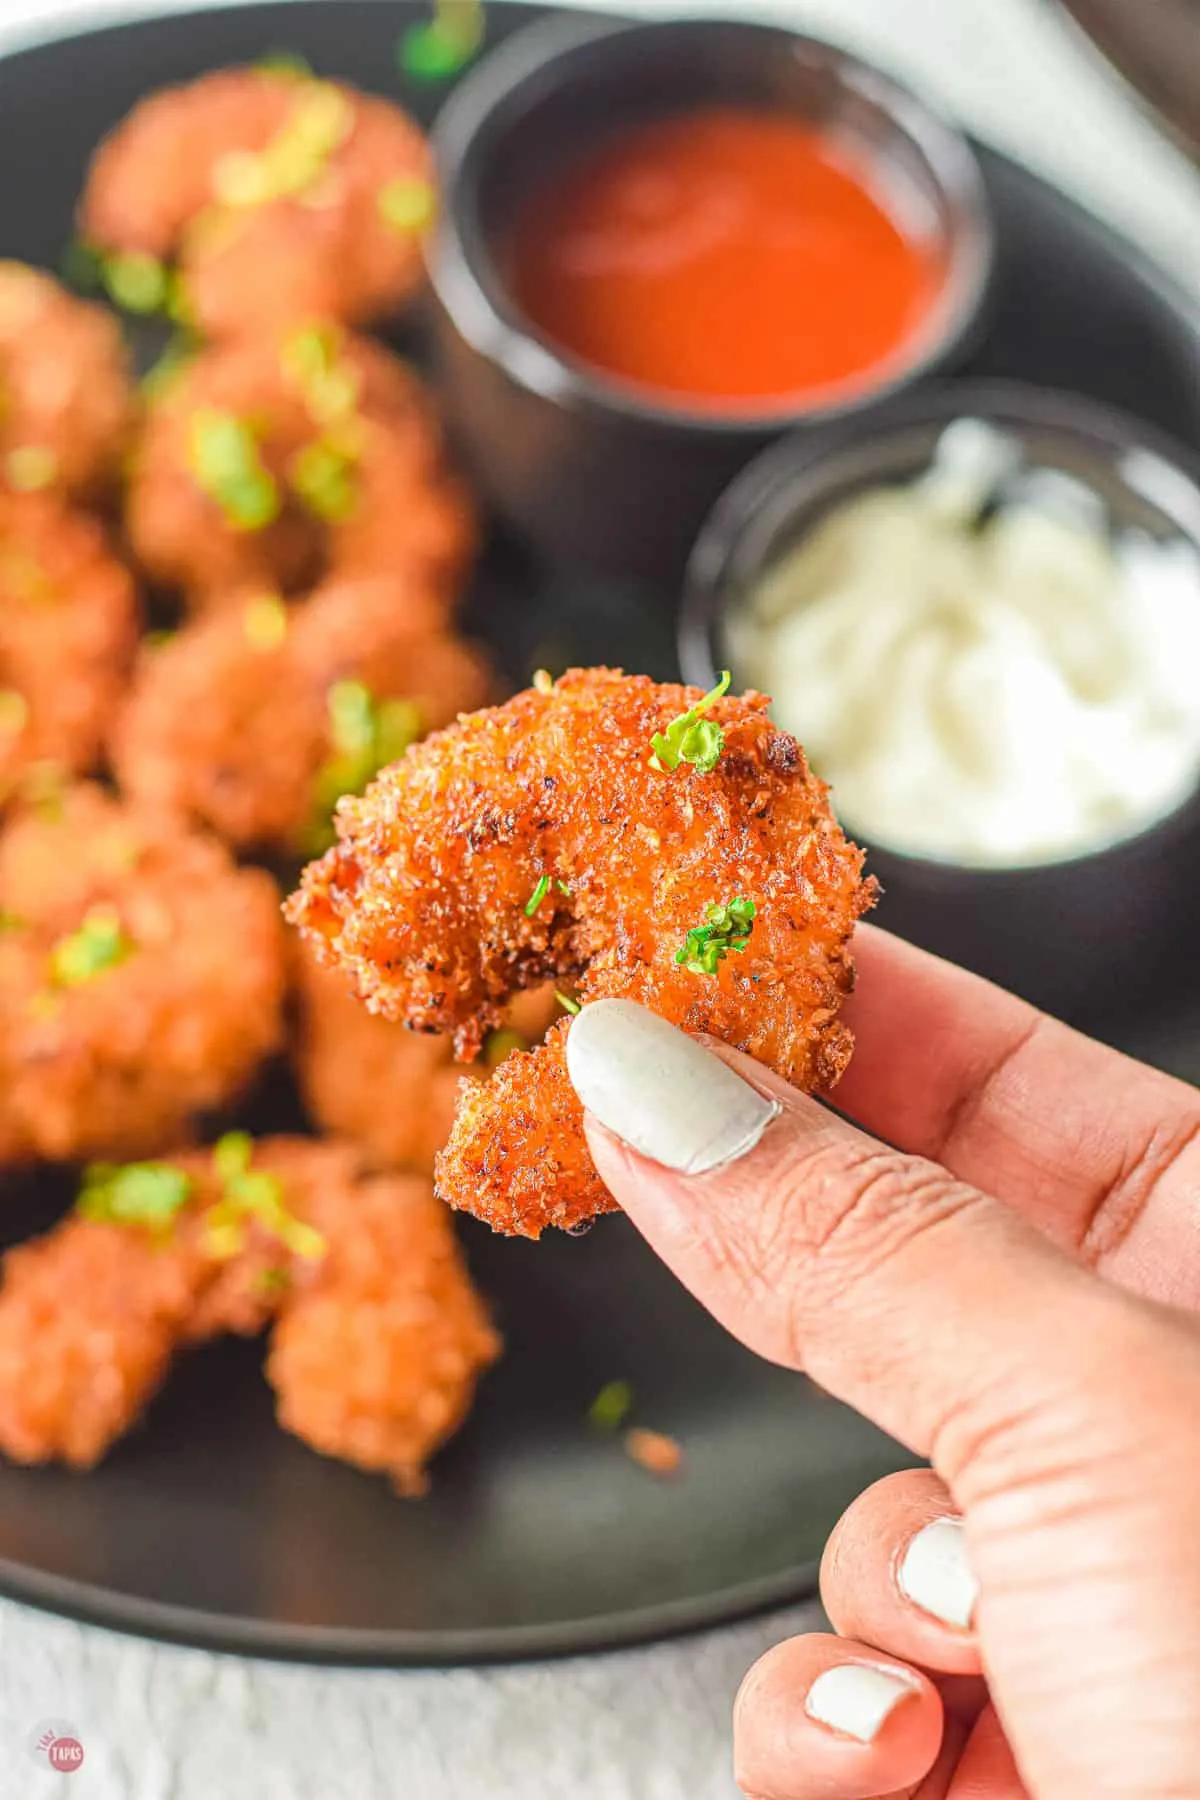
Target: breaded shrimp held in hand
[(628, 838)]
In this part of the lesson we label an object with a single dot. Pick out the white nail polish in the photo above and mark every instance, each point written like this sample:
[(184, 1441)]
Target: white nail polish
[(857, 1698), (936, 1576), (660, 1092)]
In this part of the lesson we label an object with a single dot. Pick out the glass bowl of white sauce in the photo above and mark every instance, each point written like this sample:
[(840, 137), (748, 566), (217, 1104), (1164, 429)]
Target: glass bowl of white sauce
[(979, 611)]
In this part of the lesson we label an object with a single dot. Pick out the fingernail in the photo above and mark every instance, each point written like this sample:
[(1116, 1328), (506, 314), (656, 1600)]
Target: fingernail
[(857, 1699), (660, 1092), (936, 1576)]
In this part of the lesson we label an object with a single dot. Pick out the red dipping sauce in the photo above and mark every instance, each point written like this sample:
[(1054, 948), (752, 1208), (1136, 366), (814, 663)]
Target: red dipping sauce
[(730, 258)]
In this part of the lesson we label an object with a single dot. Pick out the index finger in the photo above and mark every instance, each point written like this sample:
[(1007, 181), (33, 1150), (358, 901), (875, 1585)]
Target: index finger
[(1097, 1150)]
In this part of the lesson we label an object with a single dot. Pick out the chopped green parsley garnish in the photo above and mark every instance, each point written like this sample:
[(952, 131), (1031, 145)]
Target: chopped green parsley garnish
[(441, 46), (311, 361), (171, 365), (323, 478), (9, 921), (274, 1281), (567, 1004), (148, 1194), (14, 712), (43, 787), (99, 945), (251, 1197), (178, 303), (408, 203), (82, 267), (224, 459), (691, 738), (321, 120), (265, 622), (727, 928), (287, 63), (498, 1045), (135, 282), (538, 895), (366, 734), (30, 468), (611, 1407), (23, 578)]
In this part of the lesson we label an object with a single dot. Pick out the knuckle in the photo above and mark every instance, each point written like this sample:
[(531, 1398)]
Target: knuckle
[(861, 1209), (835, 1208)]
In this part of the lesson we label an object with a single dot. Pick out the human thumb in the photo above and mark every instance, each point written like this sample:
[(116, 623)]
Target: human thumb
[(1059, 1411), (906, 1293)]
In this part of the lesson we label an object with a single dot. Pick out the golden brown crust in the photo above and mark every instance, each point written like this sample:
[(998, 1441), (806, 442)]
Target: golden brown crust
[(375, 1360), (410, 517), (68, 628), (327, 251), (380, 1342), (423, 903), (119, 1064), (65, 386), (233, 731), (392, 1091)]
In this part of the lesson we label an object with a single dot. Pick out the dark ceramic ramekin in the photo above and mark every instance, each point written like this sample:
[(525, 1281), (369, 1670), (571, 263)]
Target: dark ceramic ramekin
[(594, 472), (1087, 936)]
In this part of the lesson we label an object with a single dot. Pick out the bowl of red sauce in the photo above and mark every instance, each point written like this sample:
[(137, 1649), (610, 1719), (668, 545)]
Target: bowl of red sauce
[(663, 245)]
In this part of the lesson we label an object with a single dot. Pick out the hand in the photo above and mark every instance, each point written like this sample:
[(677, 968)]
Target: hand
[(1025, 1618)]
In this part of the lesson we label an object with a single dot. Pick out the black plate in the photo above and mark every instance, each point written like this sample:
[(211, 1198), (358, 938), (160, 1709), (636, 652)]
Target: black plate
[(209, 1525)]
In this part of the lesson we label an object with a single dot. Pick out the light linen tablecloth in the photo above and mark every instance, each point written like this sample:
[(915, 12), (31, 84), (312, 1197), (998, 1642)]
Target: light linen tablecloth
[(159, 1723)]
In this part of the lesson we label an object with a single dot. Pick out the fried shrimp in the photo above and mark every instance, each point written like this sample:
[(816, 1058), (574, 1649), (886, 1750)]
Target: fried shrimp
[(266, 464), (141, 978), (540, 840), (68, 629), (281, 197), (375, 1359), (392, 1091), (66, 399), (255, 722), (380, 1335)]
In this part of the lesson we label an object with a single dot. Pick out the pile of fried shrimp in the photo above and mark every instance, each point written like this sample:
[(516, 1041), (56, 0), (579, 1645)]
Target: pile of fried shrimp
[(229, 595), (231, 666)]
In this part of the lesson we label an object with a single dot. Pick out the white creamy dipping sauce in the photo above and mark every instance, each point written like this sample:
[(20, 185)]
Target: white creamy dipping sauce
[(984, 669)]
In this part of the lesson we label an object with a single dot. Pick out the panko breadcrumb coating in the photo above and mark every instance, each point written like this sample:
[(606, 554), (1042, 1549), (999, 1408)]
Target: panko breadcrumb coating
[(392, 1091), (68, 629), (537, 841), (268, 463), (375, 1358), (66, 396), (92, 1314), (142, 978), (255, 721), (282, 197)]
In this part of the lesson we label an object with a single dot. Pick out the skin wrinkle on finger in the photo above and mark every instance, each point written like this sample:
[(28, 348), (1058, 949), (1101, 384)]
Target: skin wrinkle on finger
[(1091, 1145), (971, 1101), (1109, 1225), (841, 1319)]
